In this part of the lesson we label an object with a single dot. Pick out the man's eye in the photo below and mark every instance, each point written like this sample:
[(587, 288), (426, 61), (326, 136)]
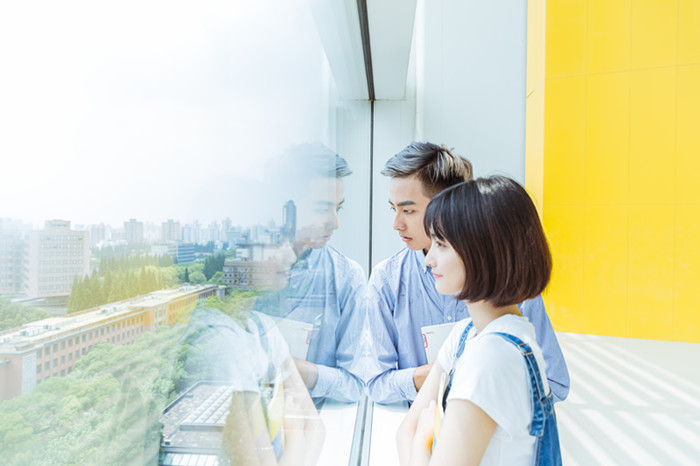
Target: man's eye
[(392, 209), (406, 211)]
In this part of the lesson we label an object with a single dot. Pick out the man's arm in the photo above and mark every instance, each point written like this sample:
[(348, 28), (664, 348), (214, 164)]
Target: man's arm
[(386, 383), (343, 382), (556, 370)]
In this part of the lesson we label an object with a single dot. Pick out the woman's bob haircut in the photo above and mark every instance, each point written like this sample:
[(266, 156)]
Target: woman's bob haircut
[(493, 226)]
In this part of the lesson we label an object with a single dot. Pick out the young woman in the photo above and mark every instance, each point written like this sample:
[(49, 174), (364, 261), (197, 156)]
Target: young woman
[(487, 400)]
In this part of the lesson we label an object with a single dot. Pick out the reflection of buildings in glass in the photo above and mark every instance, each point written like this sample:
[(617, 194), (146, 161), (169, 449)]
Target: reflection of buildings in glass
[(245, 275), (289, 220), (182, 252), (50, 347), (98, 234), (170, 231), (133, 231), (193, 425), (56, 255), (13, 259)]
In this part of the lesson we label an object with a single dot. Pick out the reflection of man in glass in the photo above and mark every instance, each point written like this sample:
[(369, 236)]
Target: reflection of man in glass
[(245, 401), (325, 287)]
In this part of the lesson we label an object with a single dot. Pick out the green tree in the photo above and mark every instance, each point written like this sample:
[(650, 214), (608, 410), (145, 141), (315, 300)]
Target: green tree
[(14, 314), (217, 279), (213, 264), (197, 278)]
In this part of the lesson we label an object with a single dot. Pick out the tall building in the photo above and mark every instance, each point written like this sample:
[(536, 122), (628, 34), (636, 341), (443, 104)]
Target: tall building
[(98, 234), (186, 234), (133, 231), (170, 231), (184, 252), (289, 220), (13, 258), (214, 231), (56, 255)]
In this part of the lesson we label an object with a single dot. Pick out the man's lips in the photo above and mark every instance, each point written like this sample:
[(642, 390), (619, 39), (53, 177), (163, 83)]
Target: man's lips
[(406, 239)]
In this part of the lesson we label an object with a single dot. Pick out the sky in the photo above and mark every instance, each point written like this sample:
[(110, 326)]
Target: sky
[(153, 109)]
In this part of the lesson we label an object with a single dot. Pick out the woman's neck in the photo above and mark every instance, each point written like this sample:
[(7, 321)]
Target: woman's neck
[(484, 312)]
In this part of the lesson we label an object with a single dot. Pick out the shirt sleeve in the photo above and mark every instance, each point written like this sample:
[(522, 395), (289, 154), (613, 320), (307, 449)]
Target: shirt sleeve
[(344, 381), (556, 370), (385, 382)]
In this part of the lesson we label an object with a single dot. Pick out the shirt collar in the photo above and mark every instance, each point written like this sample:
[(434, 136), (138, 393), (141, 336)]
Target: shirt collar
[(420, 257)]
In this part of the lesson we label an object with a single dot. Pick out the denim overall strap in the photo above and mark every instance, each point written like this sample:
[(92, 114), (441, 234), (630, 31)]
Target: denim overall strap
[(544, 421), (460, 350), (537, 392)]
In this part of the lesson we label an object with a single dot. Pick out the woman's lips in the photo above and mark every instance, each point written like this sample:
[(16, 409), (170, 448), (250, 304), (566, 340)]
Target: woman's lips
[(436, 275), (406, 239)]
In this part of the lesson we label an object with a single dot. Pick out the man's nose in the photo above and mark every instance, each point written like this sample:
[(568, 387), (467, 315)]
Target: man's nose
[(398, 223)]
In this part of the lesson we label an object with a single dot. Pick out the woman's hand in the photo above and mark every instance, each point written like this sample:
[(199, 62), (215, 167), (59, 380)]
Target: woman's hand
[(423, 439), (425, 430)]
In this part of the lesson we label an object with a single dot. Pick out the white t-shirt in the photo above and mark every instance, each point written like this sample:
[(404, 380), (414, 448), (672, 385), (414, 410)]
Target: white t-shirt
[(492, 374)]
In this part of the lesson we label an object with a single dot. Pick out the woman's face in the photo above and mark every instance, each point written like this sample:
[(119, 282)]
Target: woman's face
[(281, 259), (447, 267)]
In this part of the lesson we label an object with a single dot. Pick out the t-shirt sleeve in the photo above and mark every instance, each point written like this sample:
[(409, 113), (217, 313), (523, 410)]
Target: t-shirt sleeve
[(448, 349), (491, 373)]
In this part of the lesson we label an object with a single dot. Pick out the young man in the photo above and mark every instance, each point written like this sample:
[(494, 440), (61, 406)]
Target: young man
[(401, 293), (324, 286)]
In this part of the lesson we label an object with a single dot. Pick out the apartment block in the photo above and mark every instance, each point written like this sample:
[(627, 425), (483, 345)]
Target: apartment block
[(56, 255), (133, 231)]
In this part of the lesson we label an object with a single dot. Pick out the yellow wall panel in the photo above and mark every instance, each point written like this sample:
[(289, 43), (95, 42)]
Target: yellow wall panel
[(654, 32), (652, 135), (564, 296), (605, 257), (689, 31), (650, 288), (688, 135), (621, 165), (609, 35), (566, 38), (565, 139), (686, 298), (607, 139)]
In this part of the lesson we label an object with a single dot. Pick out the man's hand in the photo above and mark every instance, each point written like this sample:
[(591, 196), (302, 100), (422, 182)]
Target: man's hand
[(307, 371), (420, 375)]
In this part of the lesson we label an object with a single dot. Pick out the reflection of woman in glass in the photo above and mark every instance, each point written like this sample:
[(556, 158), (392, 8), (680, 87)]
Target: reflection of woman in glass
[(271, 418), (488, 247)]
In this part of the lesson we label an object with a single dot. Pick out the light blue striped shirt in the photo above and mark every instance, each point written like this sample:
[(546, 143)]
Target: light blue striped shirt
[(401, 299), (326, 289)]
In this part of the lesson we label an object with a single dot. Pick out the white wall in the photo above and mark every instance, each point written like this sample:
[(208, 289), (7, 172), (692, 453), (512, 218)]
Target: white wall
[(465, 89)]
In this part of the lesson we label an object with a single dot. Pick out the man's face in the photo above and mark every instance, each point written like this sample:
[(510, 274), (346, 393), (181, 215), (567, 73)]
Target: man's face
[(317, 212), (408, 202)]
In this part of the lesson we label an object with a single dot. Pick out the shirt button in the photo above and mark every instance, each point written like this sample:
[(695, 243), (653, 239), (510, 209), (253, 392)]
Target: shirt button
[(449, 317)]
